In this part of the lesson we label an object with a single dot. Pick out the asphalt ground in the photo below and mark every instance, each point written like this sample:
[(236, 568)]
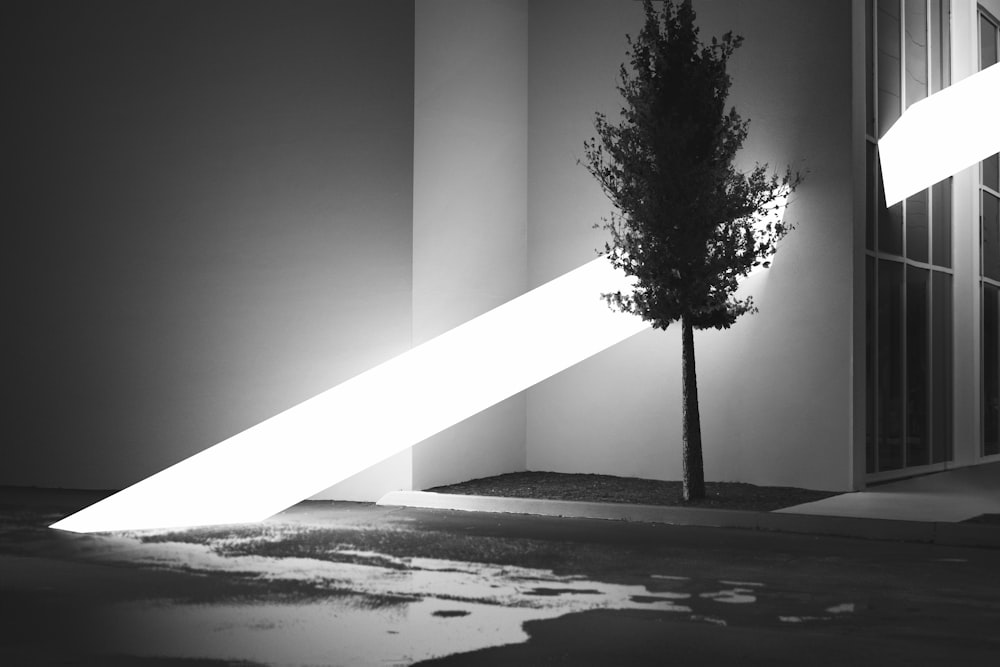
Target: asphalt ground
[(715, 596), (912, 604)]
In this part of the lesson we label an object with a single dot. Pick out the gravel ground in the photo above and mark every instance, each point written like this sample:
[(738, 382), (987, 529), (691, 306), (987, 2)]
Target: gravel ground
[(611, 489)]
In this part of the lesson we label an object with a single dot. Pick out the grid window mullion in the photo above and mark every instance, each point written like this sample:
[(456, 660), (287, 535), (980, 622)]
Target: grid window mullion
[(908, 248), (989, 263)]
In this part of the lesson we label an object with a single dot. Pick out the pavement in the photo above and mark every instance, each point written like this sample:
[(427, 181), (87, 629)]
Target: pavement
[(338, 583), (934, 508), (951, 496)]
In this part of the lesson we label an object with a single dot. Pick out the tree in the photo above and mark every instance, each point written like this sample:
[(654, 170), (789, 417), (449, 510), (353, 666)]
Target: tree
[(687, 222)]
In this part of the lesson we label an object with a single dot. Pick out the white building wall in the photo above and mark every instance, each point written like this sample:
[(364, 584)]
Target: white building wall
[(469, 205), (776, 389)]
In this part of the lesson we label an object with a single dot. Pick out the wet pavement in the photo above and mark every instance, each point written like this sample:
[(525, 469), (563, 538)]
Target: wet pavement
[(357, 584)]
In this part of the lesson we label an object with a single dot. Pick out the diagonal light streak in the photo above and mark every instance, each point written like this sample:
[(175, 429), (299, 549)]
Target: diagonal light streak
[(941, 135), (326, 439), (383, 411)]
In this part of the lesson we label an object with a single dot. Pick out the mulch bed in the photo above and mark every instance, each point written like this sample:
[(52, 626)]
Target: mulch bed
[(611, 489)]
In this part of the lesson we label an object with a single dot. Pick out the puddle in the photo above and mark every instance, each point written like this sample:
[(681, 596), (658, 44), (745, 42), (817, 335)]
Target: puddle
[(327, 633), (737, 595), (752, 584), (659, 597), (353, 606), (372, 609), (843, 608), (561, 591), (709, 619)]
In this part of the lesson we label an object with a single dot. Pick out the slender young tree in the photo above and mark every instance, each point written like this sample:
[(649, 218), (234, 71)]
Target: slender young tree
[(687, 224)]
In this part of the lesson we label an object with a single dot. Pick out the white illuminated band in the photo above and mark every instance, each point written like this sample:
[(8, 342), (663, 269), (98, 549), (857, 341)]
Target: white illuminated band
[(385, 410), (326, 439), (941, 135)]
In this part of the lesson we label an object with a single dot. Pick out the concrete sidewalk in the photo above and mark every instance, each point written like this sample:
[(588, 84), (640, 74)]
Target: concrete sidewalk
[(924, 509), (949, 496)]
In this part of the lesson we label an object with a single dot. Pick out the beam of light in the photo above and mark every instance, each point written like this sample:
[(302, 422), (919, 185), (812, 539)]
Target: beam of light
[(330, 437), (941, 135), (385, 410)]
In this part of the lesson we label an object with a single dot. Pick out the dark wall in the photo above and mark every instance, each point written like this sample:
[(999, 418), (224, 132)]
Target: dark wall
[(207, 220)]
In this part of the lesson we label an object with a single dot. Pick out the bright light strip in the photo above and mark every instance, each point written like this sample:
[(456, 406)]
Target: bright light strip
[(326, 439), (941, 135), (345, 430)]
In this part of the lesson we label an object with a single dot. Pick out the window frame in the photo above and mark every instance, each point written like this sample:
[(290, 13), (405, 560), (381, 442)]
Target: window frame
[(984, 190), (934, 81)]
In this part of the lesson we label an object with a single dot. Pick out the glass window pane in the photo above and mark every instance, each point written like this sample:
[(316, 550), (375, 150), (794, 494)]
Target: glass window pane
[(871, 174), (987, 42), (941, 365), (869, 68), (991, 236), (940, 44), (890, 229), (991, 370), (917, 366), (991, 172), (890, 365), (941, 222), (915, 48), (890, 224), (916, 227), (870, 388), (888, 64)]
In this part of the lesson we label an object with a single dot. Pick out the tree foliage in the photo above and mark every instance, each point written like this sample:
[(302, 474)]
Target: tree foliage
[(688, 224), (685, 220)]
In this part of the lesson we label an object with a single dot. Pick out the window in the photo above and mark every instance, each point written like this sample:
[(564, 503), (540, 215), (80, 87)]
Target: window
[(909, 251), (989, 243), (991, 359)]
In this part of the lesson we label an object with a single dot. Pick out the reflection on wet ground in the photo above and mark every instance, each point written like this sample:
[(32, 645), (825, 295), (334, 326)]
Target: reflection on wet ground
[(301, 594), (297, 590), (357, 584), (368, 608)]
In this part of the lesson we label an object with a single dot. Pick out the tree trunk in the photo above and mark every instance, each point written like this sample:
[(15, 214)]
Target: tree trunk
[(694, 469)]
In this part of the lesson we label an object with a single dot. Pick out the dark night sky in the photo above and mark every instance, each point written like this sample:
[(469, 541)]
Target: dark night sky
[(208, 219)]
